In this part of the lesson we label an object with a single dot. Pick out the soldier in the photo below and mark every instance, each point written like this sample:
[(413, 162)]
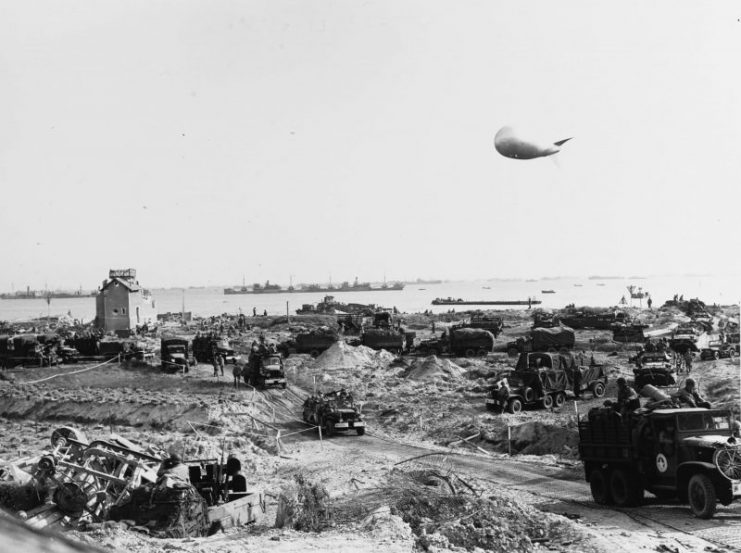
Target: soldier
[(627, 398), (688, 360), (218, 363), (237, 374), (689, 395)]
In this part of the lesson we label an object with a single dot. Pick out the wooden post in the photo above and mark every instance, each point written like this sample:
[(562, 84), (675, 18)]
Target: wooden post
[(509, 440), (576, 410), (288, 314)]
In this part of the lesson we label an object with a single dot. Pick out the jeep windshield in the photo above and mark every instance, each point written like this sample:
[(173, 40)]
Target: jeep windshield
[(702, 422)]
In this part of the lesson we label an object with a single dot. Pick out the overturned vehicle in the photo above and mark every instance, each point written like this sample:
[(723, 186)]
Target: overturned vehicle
[(333, 412), (78, 482)]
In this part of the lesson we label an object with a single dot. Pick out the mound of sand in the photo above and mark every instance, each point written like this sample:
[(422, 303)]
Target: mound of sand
[(433, 367), (343, 356)]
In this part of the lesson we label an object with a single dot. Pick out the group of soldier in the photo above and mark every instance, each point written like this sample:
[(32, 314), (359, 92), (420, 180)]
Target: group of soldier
[(628, 399)]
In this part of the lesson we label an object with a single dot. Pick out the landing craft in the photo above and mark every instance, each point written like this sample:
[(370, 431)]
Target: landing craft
[(509, 144)]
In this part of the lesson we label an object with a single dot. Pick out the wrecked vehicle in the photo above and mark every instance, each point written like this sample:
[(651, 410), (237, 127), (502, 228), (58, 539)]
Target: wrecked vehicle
[(687, 454), (717, 349), (560, 338), (654, 368), (79, 482), (176, 355), (333, 412), (265, 371)]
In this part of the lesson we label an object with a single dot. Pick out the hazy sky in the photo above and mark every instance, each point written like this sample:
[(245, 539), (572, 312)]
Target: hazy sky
[(199, 141)]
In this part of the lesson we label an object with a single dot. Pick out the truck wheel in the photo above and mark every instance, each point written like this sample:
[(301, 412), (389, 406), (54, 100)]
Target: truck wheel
[(482, 353), (360, 430), (625, 488), (529, 395), (470, 352), (598, 389), (560, 399), (433, 351), (512, 352), (563, 350), (701, 495), (551, 350), (514, 405), (314, 353), (548, 401), (598, 485)]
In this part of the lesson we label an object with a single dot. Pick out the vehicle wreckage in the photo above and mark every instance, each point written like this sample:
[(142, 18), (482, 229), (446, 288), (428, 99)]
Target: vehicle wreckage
[(79, 482)]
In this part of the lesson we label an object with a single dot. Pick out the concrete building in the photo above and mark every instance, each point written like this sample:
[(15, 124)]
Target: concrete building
[(121, 304)]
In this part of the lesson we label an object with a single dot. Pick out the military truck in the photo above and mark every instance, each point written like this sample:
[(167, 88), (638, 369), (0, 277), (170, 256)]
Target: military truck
[(176, 354), (486, 322), (717, 349), (391, 339), (333, 412), (556, 339), (596, 320), (653, 368), (314, 342), (688, 454), (625, 333), (204, 348), (543, 379), (265, 371), (684, 339), (468, 342)]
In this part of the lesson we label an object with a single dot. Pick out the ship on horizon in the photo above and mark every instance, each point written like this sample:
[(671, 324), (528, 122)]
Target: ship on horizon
[(29, 294), (356, 286)]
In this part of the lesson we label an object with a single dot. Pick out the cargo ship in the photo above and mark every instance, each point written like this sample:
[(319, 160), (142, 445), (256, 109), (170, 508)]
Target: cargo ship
[(258, 288)]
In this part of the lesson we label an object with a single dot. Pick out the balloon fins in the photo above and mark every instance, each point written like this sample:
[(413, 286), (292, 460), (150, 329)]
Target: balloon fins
[(562, 142)]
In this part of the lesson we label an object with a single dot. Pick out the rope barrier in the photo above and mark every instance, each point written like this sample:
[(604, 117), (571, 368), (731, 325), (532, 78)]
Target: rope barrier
[(73, 372)]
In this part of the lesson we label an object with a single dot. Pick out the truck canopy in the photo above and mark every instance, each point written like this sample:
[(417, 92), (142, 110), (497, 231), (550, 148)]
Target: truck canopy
[(559, 336)]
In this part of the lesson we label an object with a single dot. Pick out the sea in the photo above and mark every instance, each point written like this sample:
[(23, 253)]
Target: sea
[(415, 297)]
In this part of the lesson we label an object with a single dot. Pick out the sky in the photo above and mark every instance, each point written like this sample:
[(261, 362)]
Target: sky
[(203, 142)]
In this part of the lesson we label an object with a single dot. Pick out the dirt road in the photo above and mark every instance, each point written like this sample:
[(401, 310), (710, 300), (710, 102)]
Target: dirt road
[(561, 490)]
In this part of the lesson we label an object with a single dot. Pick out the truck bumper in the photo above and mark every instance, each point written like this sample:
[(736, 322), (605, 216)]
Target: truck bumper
[(349, 425), (275, 382)]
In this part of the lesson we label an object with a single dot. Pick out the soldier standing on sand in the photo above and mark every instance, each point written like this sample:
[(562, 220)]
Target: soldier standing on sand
[(688, 360)]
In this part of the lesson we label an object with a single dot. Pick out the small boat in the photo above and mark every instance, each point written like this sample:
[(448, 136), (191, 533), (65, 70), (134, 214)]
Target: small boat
[(578, 285), (547, 291)]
